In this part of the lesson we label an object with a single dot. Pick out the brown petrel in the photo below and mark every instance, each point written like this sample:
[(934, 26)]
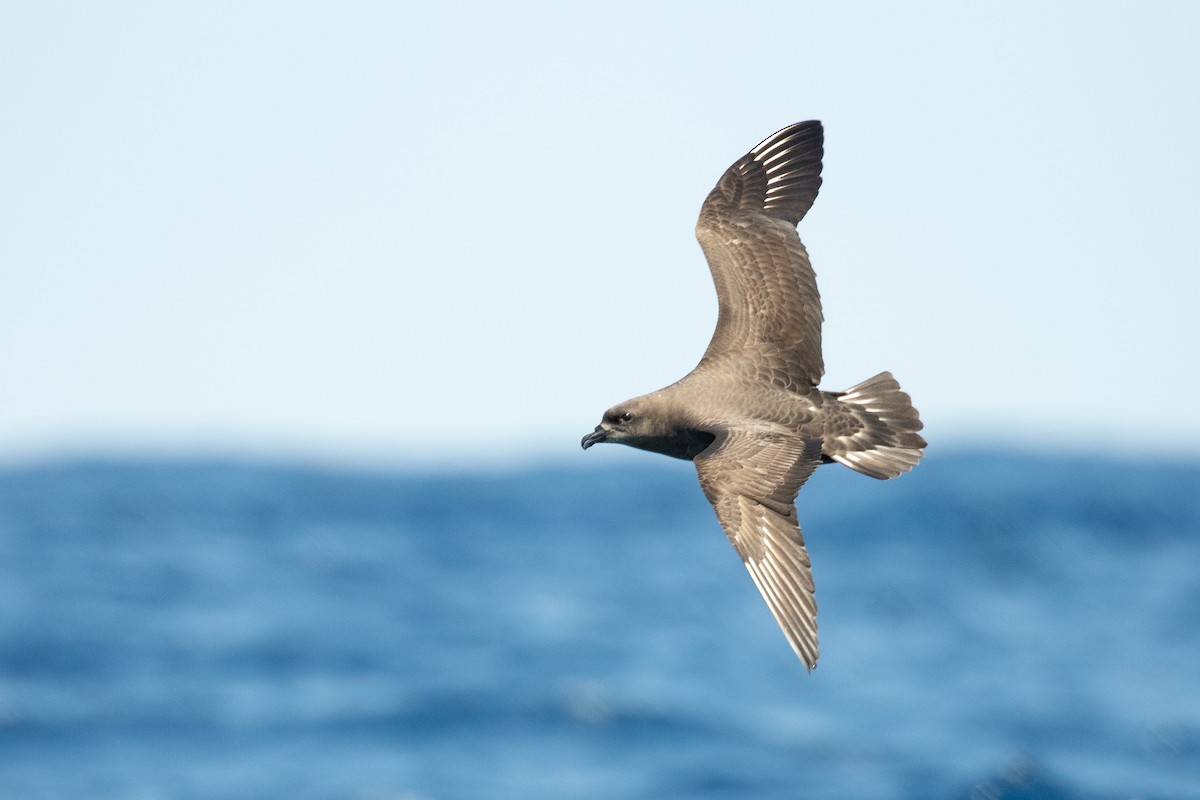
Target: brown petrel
[(750, 414)]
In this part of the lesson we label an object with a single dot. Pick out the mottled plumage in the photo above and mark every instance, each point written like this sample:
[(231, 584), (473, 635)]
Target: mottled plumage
[(750, 414)]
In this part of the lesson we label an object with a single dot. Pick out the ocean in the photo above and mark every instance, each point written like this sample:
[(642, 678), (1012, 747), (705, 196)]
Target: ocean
[(994, 626)]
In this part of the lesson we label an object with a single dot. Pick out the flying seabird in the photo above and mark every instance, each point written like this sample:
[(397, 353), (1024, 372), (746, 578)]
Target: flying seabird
[(750, 414)]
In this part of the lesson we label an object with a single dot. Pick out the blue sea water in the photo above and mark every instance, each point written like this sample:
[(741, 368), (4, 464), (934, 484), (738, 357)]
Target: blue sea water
[(993, 627)]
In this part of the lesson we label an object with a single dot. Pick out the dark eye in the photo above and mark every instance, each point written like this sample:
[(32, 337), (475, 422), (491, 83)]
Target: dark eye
[(625, 416)]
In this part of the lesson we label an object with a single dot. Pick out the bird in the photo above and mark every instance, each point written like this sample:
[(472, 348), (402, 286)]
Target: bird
[(750, 415)]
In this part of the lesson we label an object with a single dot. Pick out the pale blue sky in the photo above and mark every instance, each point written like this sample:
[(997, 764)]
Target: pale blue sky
[(382, 230)]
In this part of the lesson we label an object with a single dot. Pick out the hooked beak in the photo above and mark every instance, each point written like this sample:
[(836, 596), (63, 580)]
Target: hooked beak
[(595, 437)]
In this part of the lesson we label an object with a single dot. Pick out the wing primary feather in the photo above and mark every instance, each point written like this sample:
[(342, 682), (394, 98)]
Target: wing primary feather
[(801, 131), (799, 600), (791, 176), (797, 637), (801, 151), (801, 569)]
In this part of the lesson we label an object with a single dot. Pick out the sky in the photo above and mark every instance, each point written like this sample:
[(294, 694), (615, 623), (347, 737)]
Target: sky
[(457, 232)]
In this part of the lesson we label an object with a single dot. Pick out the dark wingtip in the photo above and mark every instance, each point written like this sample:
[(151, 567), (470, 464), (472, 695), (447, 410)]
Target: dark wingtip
[(791, 159), (781, 176)]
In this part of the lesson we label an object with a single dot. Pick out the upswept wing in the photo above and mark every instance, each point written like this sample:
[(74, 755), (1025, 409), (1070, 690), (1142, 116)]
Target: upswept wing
[(751, 477), (766, 289)]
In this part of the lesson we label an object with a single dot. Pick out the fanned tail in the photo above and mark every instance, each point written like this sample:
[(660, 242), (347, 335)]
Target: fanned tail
[(888, 443)]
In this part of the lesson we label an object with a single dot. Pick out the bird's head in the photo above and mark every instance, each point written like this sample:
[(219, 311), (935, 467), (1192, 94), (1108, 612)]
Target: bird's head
[(624, 423), (651, 422)]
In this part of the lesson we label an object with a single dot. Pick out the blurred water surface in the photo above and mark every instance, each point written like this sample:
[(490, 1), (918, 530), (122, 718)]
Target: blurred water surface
[(993, 626)]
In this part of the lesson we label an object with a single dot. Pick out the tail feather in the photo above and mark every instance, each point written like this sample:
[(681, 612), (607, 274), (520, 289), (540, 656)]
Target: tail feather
[(887, 443)]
